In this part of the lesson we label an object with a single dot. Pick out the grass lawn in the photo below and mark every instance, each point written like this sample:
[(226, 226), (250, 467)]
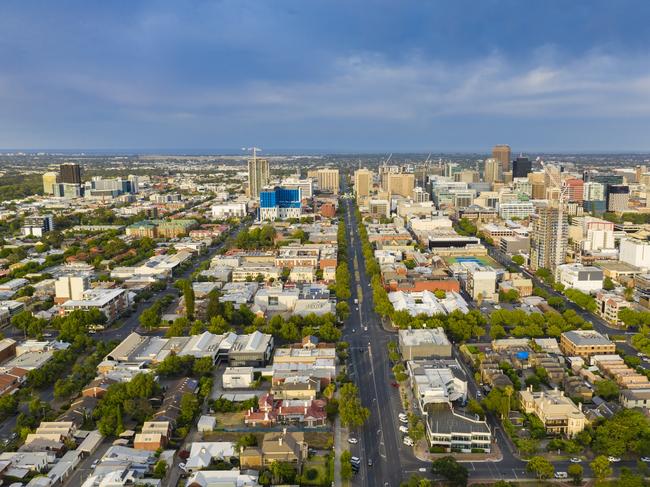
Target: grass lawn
[(314, 472), (229, 420)]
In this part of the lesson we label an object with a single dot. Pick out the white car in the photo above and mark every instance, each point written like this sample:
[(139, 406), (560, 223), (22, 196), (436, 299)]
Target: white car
[(403, 420), (645, 459), (365, 328), (561, 475), (613, 459), (402, 416), (576, 460), (403, 429), (422, 469), (183, 467), (353, 441), (408, 441)]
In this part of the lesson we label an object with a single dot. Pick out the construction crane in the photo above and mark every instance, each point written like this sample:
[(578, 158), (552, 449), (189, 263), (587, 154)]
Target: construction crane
[(562, 201)]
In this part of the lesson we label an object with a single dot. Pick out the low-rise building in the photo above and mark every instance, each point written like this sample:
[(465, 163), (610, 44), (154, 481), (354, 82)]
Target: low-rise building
[(557, 412), (585, 343), (426, 302), (578, 276), (111, 302), (609, 305), (455, 431), (238, 377), (435, 381), (424, 343)]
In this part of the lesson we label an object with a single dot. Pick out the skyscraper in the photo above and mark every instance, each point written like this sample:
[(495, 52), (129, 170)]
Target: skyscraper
[(493, 171), (618, 197), (328, 180), (401, 184), (258, 176), (362, 183), (521, 167), (546, 249), (502, 154), (49, 180), (70, 173)]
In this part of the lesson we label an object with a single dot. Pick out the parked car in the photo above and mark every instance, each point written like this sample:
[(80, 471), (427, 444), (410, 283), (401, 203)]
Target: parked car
[(353, 441), (613, 459), (645, 459), (403, 429), (403, 420), (561, 475), (576, 460), (408, 441), (402, 416)]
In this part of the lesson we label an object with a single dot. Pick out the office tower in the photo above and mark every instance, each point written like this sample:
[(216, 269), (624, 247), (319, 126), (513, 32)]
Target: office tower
[(258, 176), (401, 184), (279, 204), (384, 172), (135, 183), (546, 249), (521, 167), (594, 198), (467, 176), (502, 154), (306, 186), (49, 180), (575, 189), (70, 173), (362, 183), (328, 180), (492, 171), (618, 197)]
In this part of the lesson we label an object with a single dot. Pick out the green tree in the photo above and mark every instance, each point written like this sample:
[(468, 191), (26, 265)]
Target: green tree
[(160, 469), (346, 466), (352, 413), (608, 284), (150, 318), (518, 259), (607, 389), (455, 473), (283, 472), (189, 408), (497, 331), (575, 471), (541, 467), (601, 467)]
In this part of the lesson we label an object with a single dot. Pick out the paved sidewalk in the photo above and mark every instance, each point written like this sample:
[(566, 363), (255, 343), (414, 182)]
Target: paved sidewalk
[(338, 449)]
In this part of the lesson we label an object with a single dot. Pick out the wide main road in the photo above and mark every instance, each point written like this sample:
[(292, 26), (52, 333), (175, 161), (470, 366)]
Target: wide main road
[(380, 441)]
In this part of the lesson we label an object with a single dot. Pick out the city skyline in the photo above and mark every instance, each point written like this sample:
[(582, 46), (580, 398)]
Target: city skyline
[(329, 76)]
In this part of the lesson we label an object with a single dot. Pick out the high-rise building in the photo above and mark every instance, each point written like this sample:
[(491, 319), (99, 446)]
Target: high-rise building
[(547, 250), (502, 154), (384, 171), (618, 198), (521, 167), (420, 195), (362, 183), (328, 179), (401, 184), (280, 204), (493, 171), (575, 189), (258, 176), (70, 173), (306, 186), (594, 197), (49, 180)]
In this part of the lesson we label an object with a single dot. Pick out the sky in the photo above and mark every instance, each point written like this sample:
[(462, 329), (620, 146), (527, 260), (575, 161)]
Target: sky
[(331, 75)]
